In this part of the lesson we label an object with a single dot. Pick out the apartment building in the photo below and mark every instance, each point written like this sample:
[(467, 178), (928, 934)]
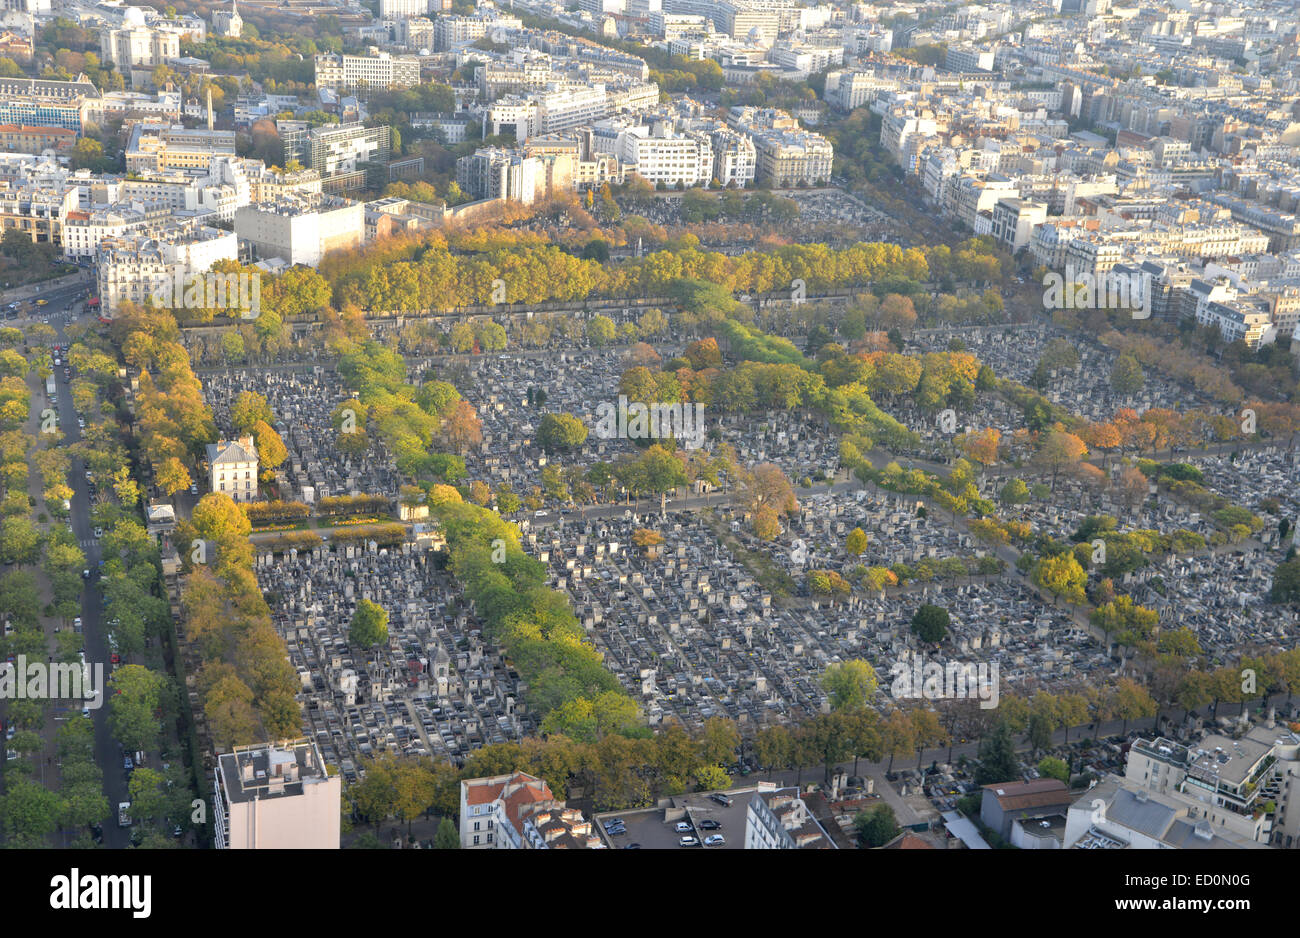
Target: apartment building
[(662, 156), (404, 9), (276, 797), (735, 158), (1014, 221), (84, 231), (1247, 320), (16, 138), (1120, 815), (969, 196), (497, 173), (335, 148), (1247, 786), (779, 819), (562, 165), (968, 59), (301, 229), (786, 155), (564, 108), (36, 102), (144, 263), (852, 89), (1094, 253), (341, 72), (493, 811), (671, 26), (451, 32), (897, 129), (36, 209)]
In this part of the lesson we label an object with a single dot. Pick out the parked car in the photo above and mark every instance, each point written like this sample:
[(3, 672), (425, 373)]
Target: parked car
[(127, 764), (688, 842), (710, 825), (714, 840), (721, 799), (684, 827)]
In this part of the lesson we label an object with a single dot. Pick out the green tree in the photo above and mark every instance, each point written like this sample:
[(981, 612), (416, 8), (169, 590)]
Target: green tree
[(930, 623), (369, 625), (850, 684), (135, 694), (997, 757), (1126, 375), (1062, 576), (600, 331), (557, 432), (446, 837), (250, 407), (29, 812), (1051, 767), (876, 826)]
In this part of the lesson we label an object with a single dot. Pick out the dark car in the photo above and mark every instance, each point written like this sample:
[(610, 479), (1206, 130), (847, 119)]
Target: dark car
[(632, 847), (710, 825)]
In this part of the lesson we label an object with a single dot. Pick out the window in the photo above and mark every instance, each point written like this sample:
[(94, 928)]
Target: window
[(476, 840), (476, 827)]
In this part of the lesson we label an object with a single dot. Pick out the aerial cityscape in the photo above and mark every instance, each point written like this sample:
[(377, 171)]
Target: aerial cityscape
[(649, 424)]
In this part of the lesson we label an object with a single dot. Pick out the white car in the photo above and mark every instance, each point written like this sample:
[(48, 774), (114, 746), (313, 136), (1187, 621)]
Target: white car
[(99, 532), (684, 827), (714, 840), (688, 842)]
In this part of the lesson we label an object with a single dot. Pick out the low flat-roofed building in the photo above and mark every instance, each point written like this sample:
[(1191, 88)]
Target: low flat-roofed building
[(1003, 802), (1120, 814)]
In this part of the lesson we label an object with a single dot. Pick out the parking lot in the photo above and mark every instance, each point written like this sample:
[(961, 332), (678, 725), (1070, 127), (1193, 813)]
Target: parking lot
[(656, 828)]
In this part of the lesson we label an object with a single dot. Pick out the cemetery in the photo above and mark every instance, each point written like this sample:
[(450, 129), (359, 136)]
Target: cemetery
[(683, 620)]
